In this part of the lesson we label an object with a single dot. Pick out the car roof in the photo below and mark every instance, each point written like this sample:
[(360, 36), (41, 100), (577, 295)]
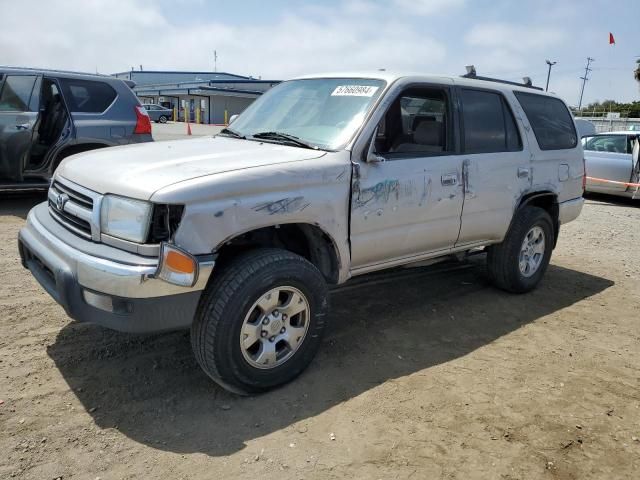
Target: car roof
[(391, 77), (618, 132), (57, 73)]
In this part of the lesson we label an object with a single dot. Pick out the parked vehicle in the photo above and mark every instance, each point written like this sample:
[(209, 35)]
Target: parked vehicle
[(321, 179), (612, 163), (48, 115), (158, 113), (585, 127)]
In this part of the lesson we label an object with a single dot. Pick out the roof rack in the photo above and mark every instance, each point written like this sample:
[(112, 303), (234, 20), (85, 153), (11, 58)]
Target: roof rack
[(471, 73)]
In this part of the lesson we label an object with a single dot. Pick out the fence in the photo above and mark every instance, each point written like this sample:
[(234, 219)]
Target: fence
[(613, 124)]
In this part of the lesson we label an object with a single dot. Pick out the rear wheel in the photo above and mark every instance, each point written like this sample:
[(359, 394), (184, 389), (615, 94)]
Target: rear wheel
[(163, 119), (520, 261), (260, 323)]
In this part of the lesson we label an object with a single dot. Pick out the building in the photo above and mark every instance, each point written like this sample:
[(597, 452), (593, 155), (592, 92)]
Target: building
[(206, 97)]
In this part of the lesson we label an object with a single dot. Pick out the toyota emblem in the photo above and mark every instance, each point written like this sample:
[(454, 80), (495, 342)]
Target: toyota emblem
[(61, 200)]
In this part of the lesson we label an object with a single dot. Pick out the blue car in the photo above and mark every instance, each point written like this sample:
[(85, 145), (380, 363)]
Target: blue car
[(48, 115)]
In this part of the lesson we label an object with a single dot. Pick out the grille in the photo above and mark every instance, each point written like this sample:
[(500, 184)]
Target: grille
[(71, 208)]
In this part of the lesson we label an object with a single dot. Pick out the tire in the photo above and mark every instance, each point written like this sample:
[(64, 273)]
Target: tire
[(232, 305), (163, 119), (506, 268)]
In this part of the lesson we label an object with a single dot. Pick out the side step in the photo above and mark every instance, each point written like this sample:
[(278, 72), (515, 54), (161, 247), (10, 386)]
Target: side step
[(24, 186)]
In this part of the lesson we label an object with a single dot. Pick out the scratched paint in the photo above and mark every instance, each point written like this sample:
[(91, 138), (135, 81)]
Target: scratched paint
[(284, 205), (380, 192)]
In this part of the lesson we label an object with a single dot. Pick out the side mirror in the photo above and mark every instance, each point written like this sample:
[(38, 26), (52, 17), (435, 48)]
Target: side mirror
[(233, 118), (372, 157)]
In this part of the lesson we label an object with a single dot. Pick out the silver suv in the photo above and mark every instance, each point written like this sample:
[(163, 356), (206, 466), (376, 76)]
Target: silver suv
[(48, 115), (321, 179)]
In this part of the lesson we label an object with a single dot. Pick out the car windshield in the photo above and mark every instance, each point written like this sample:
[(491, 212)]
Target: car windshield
[(323, 112)]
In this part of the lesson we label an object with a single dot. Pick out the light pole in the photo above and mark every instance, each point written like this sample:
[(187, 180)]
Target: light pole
[(584, 79), (551, 64)]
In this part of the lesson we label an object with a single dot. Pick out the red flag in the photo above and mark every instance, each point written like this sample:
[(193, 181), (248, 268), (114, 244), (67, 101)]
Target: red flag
[(612, 41)]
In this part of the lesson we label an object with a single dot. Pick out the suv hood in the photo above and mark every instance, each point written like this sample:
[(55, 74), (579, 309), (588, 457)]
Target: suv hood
[(138, 171)]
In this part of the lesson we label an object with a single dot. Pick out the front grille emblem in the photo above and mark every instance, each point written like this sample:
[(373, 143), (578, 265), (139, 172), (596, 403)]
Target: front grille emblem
[(61, 200)]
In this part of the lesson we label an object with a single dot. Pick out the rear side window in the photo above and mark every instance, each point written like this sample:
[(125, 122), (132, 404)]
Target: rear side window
[(551, 121), (489, 126), (16, 93), (607, 143), (87, 96)]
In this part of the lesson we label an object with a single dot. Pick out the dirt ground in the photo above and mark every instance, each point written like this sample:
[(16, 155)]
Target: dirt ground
[(427, 373)]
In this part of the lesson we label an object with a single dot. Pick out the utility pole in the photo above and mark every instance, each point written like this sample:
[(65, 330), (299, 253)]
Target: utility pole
[(584, 79), (215, 60), (551, 64)]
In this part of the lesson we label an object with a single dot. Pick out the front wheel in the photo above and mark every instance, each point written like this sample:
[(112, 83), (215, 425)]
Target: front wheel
[(260, 323), (520, 261)]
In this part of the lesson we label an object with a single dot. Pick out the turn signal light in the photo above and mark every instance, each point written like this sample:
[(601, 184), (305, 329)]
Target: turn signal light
[(177, 266)]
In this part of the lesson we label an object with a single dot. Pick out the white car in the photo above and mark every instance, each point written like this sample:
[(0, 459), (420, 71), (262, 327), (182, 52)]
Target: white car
[(321, 179), (611, 161)]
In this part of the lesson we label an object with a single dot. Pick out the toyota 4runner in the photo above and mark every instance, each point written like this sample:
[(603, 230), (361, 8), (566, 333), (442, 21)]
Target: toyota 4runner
[(321, 179)]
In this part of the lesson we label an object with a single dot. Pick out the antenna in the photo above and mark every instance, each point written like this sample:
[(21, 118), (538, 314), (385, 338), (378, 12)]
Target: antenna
[(215, 60), (584, 79)]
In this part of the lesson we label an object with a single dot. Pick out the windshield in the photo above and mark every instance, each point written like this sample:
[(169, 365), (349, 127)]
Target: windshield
[(323, 112)]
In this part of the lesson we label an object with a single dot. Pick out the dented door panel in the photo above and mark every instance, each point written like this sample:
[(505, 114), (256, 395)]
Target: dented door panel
[(404, 208)]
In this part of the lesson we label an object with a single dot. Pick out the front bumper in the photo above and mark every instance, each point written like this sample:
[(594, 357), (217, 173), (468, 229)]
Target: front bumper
[(570, 210), (100, 284)]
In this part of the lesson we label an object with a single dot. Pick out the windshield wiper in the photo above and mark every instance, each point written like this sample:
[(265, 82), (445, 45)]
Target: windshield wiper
[(228, 132), (284, 137)]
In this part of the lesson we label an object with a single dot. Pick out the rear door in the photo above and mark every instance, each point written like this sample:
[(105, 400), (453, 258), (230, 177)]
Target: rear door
[(496, 165), (607, 157), (19, 103)]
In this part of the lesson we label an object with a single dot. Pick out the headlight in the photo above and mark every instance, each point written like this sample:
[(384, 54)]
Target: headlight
[(125, 218)]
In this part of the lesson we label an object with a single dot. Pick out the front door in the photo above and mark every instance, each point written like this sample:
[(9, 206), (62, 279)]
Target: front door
[(19, 101), (409, 204), (608, 157)]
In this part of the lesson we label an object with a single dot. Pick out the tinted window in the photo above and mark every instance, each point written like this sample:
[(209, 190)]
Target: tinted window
[(16, 93), (416, 123), (551, 121), (87, 96), (488, 123), (606, 143)]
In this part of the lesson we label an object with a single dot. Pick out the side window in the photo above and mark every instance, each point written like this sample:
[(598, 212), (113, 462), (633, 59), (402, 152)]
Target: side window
[(16, 93), (87, 96), (416, 124), (551, 121), (606, 143), (489, 126)]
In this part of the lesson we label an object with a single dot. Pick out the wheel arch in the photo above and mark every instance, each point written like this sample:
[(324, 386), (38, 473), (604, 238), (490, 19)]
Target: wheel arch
[(307, 240), (548, 201)]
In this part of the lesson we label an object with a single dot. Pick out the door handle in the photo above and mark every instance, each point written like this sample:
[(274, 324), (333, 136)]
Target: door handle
[(523, 172), (449, 179), (23, 126)]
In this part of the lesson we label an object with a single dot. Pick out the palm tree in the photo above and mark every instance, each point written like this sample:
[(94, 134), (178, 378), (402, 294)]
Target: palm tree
[(636, 72)]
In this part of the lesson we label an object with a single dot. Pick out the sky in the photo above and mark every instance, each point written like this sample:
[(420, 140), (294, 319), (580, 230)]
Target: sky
[(280, 39)]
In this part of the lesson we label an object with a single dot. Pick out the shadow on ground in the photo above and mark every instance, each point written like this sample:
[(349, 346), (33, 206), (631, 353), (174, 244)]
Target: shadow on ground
[(151, 389), (612, 200), (19, 204)]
